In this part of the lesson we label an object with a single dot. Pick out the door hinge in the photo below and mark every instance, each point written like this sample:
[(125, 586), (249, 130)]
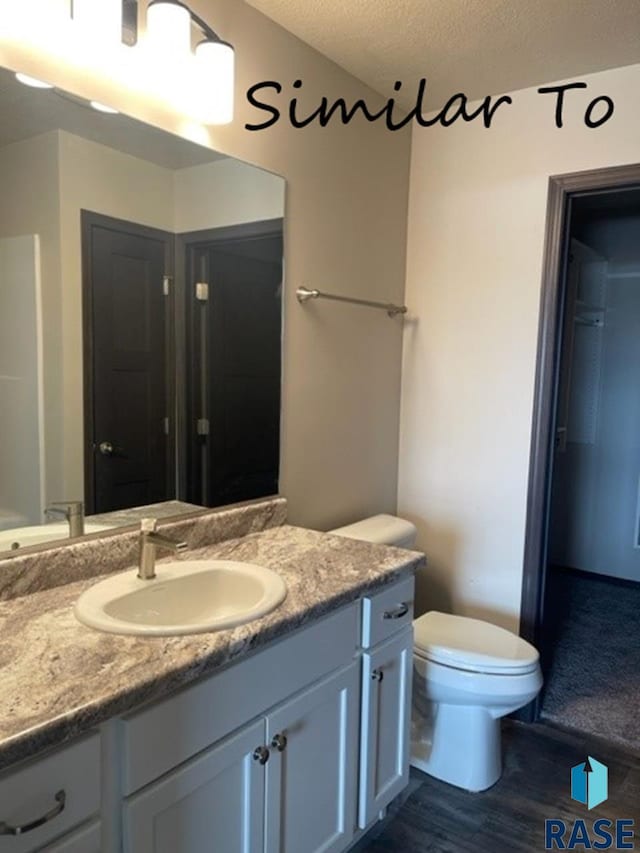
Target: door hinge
[(165, 423), (166, 284), (202, 291), (202, 426)]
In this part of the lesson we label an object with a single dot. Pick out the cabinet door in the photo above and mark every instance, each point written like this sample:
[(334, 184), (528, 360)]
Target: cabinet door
[(312, 771), (86, 840), (386, 715), (212, 804)]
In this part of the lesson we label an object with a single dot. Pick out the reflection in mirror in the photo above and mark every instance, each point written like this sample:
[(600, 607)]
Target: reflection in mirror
[(140, 321)]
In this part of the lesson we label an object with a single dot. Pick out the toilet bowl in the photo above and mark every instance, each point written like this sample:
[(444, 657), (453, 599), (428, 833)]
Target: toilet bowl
[(468, 674)]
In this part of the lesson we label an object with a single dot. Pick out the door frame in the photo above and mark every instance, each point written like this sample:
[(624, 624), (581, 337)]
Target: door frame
[(562, 189), (88, 220)]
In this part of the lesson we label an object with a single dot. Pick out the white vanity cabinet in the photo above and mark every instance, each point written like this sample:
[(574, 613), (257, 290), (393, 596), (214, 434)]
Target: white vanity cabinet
[(283, 784), (295, 749), (312, 772), (386, 719), (216, 802), (387, 670)]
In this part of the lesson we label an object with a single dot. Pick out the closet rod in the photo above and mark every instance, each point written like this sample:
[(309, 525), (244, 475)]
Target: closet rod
[(304, 295)]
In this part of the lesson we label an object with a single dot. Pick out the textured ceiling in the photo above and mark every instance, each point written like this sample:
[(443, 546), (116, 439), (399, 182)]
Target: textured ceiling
[(479, 47)]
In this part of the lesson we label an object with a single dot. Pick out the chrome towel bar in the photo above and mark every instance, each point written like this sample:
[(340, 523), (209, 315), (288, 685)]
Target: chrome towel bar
[(304, 295)]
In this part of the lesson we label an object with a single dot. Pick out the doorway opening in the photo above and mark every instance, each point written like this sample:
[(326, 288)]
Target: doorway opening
[(581, 588)]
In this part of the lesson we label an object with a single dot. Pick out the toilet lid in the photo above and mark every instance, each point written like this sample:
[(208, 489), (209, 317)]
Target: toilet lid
[(471, 644)]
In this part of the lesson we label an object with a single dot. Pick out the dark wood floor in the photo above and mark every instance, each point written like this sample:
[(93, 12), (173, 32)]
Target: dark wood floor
[(509, 818)]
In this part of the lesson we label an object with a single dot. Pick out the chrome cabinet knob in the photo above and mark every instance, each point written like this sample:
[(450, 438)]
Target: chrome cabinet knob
[(377, 675), (261, 754), (279, 742), (106, 448)]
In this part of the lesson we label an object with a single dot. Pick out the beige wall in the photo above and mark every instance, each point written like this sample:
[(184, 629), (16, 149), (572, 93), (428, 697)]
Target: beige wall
[(346, 230), (476, 230), (225, 192), (29, 179)]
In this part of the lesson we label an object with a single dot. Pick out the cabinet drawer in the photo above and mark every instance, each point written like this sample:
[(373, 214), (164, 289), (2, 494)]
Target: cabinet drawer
[(85, 840), (51, 795), (387, 612), (159, 738)]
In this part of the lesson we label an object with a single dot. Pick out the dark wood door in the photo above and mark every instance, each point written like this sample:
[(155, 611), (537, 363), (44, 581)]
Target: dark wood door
[(235, 353), (128, 384)]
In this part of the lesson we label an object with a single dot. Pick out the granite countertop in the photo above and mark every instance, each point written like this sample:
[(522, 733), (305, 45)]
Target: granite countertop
[(60, 678), (126, 517)]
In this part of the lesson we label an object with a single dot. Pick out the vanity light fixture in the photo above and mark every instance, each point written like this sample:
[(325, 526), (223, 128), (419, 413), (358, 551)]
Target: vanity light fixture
[(100, 19), (100, 35), (169, 25), (216, 65)]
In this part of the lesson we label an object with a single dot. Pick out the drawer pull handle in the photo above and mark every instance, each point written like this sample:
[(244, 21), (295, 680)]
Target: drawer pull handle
[(7, 829), (279, 742), (377, 675), (261, 754), (398, 612)]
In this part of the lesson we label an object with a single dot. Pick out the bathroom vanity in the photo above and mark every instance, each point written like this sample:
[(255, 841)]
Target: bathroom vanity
[(288, 734)]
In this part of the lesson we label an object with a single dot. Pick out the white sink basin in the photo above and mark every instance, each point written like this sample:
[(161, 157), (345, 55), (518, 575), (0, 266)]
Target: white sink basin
[(38, 534), (185, 597)]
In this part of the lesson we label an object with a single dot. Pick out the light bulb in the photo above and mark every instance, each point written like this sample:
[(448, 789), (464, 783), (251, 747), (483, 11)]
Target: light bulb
[(169, 27), (215, 61), (101, 18), (32, 81)]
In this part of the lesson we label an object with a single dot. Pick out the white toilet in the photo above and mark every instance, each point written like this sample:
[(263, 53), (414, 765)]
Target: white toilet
[(467, 675)]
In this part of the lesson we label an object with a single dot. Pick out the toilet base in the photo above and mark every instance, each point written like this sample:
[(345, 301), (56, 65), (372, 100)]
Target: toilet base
[(459, 745)]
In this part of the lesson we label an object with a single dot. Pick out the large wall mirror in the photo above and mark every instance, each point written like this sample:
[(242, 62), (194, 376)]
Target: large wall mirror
[(140, 320)]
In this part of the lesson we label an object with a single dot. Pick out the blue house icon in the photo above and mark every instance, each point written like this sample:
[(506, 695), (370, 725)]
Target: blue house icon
[(589, 782)]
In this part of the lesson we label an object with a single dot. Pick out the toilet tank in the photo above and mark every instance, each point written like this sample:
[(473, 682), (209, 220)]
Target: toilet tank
[(382, 530)]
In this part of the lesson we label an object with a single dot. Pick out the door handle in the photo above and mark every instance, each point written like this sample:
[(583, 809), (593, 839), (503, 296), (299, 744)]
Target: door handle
[(106, 448), (377, 675)]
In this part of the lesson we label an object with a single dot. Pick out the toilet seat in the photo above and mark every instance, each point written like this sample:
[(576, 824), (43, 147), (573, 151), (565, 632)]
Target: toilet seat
[(472, 645)]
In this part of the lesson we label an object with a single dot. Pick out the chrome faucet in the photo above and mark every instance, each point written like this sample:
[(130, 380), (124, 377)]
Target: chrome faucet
[(72, 512), (149, 541)]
